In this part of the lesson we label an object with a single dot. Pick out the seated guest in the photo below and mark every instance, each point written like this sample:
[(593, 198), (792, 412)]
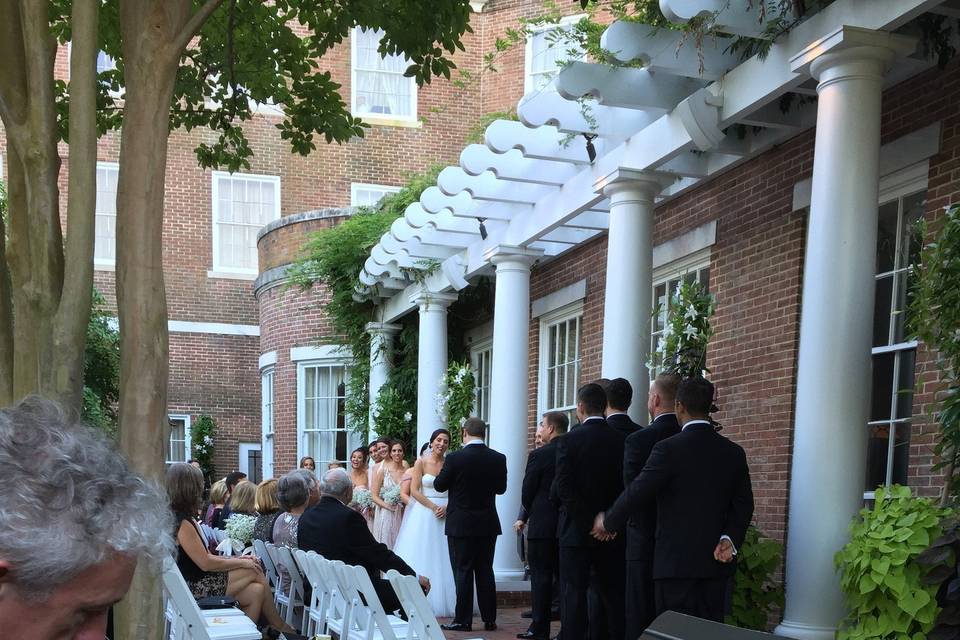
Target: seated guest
[(218, 497), (74, 520), (293, 494), (313, 485), (239, 526), (267, 507), (208, 574), (337, 532)]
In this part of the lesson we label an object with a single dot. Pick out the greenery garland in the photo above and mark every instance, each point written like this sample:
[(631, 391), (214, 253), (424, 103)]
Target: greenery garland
[(682, 347), (455, 399), (203, 435)]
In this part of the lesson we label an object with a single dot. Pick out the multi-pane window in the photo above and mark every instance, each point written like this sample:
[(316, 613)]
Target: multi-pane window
[(368, 195), (105, 247), (324, 433), (266, 417), (379, 87), (547, 49), (242, 205), (481, 359), (894, 355), (560, 362), (665, 286), (178, 445)]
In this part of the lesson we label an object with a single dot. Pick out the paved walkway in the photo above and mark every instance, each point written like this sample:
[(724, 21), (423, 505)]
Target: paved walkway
[(508, 620)]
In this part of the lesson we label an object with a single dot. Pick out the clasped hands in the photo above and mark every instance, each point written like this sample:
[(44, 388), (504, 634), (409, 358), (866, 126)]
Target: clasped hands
[(723, 552), (599, 531)]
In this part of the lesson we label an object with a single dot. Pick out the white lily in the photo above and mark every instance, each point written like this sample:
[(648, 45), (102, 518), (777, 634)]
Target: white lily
[(691, 313), (690, 331)]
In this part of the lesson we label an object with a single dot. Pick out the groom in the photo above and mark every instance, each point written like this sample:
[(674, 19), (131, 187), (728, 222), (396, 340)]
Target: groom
[(475, 475)]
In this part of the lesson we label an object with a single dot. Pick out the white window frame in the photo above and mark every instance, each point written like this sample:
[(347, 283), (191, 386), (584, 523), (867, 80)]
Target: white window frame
[(267, 426), (564, 24), (103, 262), (694, 262), (481, 360), (373, 118), (188, 444), (220, 270), (302, 366), (547, 321), (356, 187)]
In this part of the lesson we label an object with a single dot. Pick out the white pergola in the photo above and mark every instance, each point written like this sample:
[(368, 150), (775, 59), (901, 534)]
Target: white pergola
[(662, 130)]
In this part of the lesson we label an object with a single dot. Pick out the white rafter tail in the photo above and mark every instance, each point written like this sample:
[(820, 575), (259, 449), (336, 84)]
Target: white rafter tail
[(434, 201), (664, 50), (502, 211), (449, 239), (540, 143), (486, 187), (592, 219), (513, 167), (700, 117), (415, 249), (567, 235), (739, 17), (624, 87), (547, 107), (771, 116)]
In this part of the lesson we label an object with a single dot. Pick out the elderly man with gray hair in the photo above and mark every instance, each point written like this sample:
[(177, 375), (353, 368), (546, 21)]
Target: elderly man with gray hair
[(74, 521), (337, 532)]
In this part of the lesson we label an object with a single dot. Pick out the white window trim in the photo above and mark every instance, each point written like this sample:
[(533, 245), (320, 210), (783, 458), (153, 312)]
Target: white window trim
[(219, 271), (528, 46), (186, 434), (357, 186), (476, 348), (99, 263), (556, 316), (265, 463), (680, 266), (302, 366), (379, 118)]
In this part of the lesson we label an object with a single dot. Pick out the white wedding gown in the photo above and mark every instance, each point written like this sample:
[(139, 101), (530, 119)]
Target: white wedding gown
[(423, 545)]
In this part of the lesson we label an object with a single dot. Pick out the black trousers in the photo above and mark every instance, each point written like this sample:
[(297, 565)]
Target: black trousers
[(472, 560), (703, 598), (599, 566), (388, 597), (641, 608), (543, 556)]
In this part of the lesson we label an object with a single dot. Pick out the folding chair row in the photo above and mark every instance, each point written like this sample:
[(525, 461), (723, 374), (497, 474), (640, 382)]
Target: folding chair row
[(186, 621), (289, 593), (423, 622)]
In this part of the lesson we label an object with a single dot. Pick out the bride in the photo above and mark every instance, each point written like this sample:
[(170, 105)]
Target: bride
[(422, 542)]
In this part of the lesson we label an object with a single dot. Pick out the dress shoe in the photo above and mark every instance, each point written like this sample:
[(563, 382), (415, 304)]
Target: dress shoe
[(527, 614), (530, 635), (489, 626), (456, 626)]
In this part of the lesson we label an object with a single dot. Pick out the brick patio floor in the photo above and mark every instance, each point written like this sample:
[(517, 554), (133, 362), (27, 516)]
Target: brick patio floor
[(508, 620)]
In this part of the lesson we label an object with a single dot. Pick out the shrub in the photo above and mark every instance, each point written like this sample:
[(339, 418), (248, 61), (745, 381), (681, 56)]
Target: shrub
[(756, 593), (202, 439), (940, 561)]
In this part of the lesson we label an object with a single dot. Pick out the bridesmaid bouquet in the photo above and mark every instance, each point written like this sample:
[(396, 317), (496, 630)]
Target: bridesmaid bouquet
[(392, 495), (362, 498)]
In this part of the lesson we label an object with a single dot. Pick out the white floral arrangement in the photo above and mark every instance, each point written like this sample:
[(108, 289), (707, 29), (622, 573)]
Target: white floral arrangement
[(239, 528), (455, 398), (682, 346), (363, 498), (390, 495)]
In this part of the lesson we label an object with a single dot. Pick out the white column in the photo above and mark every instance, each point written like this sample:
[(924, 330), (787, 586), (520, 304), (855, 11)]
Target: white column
[(509, 384), (628, 298), (833, 376), (431, 360), (381, 362)]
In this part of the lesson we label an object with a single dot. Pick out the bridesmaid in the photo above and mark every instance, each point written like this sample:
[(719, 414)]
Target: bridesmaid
[(386, 495), (361, 489)]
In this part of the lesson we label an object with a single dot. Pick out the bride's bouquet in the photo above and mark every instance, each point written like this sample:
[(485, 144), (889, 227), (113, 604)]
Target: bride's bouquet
[(362, 498), (392, 495)]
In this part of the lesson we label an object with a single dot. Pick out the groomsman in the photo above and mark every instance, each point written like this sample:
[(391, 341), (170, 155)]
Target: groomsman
[(642, 526), (589, 477), (541, 527), (619, 398), (701, 485)]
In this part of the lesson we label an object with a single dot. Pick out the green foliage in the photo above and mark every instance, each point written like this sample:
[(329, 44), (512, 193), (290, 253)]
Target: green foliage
[(682, 347), (455, 399), (940, 561), (101, 369), (756, 592), (203, 435), (395, 416), (934, 315), (879, 572)]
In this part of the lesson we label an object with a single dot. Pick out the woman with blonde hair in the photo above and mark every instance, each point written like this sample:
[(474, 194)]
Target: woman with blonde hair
[(208, 574), (239, 526), (218, 498), (267, 509)]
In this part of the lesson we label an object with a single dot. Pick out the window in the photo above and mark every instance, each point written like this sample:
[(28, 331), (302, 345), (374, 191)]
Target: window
[(105, 247), (242, 205), (323, 431), (369, 195), (891, 398), (379, 87), (547, 48), (693, 268), (560, 360), (178, 448), (266, 418), (481, 359)]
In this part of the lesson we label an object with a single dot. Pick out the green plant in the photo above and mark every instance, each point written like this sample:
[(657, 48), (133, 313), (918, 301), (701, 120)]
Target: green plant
[(101, 369), (879, 572), (682, 347), (756, 592), (202, 439), (455, 399), (395, 416), (934, 315), (940, 560)]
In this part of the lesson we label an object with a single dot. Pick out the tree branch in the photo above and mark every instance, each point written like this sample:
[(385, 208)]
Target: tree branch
[(195, 23)]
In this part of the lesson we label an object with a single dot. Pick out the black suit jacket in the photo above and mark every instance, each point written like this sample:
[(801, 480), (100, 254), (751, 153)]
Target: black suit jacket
[(535, 495), (622, 423), (474, 476), (337, 532), (589, 477), (701, 485), (642, 527)]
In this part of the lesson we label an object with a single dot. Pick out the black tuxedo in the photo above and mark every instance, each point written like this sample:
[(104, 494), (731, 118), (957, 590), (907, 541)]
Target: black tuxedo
[(589, 477), (337, 532), (641, 529), (700, 483), (542, 551), (474, 477), (623, 423)]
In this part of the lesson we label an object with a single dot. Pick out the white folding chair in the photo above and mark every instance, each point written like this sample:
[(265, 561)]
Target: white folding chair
[(371, 620), (422, 621), (260, 549), (294, 586), (188, 622), (315, 618), (340, 611), (279, 595)]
